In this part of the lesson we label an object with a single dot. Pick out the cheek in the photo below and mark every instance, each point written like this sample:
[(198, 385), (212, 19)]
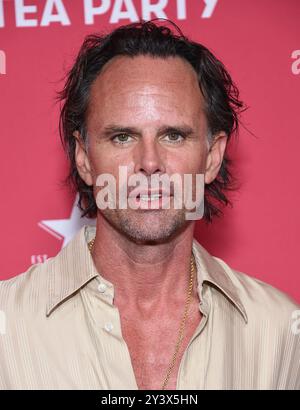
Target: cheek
[(104, 159), (192, 162), (116, 165), (197, 159)]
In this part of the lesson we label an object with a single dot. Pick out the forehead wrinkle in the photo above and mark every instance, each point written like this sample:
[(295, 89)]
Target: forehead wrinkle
[(146, 100), (159, 73), (141, 68), (158, 94)]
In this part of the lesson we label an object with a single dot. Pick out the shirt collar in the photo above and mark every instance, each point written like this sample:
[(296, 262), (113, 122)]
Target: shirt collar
[(73, 268), (213, 270)]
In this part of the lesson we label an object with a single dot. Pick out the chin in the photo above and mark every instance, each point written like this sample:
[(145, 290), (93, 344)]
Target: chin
[(148, 227)]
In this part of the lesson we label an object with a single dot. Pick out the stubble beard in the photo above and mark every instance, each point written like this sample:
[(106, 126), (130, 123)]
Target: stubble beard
[(147, 226)]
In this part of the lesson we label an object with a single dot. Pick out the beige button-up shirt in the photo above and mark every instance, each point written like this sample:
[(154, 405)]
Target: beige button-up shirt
[(60, 329)]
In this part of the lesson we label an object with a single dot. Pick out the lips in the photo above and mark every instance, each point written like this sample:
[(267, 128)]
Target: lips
[(150, 199), (151, 194)]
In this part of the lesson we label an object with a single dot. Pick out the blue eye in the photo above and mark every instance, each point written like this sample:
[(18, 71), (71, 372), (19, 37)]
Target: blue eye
[(121, 138), (175, 138)]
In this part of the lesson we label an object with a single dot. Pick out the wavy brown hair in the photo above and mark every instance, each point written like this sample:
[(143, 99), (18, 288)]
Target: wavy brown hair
[(222, 103)]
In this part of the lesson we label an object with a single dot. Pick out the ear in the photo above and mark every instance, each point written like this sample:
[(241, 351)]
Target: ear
[(82, 160), (215, 157)]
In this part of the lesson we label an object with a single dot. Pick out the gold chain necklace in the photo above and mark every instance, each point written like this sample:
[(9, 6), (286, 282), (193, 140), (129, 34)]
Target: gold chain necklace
[(183, 320)]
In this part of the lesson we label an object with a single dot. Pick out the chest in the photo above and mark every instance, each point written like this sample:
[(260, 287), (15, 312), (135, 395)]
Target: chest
[(152, 345)]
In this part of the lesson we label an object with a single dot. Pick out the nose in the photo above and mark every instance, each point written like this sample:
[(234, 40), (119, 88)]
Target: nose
[(149, 157)]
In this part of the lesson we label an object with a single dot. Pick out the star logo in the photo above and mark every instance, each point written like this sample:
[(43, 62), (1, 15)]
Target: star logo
[(66, 228)]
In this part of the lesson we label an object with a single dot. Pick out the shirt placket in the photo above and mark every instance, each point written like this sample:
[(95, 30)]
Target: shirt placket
[(106, 317), (183, 378)]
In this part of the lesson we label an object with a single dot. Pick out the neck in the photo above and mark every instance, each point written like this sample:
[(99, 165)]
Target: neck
[(143, 275)]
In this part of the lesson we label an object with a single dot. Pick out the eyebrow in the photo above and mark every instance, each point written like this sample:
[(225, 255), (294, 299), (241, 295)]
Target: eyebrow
[(114, 128)]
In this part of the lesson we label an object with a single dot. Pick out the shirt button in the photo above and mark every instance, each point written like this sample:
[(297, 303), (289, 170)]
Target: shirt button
[(102, 287), (108, 327)]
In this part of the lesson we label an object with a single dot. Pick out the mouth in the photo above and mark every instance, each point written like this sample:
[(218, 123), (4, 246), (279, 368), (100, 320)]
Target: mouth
[(147, 197), (154, 199)]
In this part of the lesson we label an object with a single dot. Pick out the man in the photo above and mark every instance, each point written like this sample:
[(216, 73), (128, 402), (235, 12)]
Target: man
[(137, 302)]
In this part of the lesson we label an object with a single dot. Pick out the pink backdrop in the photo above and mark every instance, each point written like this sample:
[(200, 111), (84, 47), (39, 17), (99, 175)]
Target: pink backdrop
[(259, 42)]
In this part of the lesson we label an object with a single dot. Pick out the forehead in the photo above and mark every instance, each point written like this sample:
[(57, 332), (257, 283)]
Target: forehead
[(145, 83)]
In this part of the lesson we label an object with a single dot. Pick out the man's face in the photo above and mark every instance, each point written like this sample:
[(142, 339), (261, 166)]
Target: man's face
[(147, 114)]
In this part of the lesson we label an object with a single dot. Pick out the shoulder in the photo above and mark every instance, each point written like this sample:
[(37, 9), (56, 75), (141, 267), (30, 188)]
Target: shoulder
[(273, 323), (26, 291), (263, 302), (258, 294)]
